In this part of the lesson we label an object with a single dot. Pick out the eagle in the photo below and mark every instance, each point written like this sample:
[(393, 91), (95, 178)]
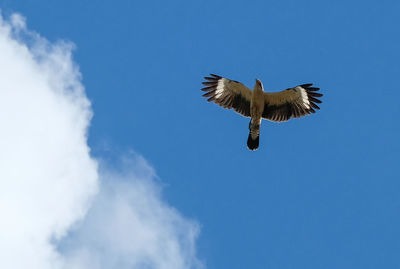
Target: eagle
[(258, 104)]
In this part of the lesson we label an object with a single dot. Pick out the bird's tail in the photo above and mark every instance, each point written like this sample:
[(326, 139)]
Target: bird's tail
[(254, 136)]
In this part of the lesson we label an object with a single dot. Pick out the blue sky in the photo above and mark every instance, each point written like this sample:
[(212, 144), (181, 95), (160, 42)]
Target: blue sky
[(322, 191)]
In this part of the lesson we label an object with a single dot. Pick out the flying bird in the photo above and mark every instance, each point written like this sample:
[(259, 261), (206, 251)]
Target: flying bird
[(258, 104)]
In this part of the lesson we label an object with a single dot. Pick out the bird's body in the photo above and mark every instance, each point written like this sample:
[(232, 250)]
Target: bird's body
[(258, 104), (256, 110)]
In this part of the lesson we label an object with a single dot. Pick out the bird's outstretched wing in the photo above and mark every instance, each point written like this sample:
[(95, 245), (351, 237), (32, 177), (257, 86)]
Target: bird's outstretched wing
[(228, 94), (291, 103)]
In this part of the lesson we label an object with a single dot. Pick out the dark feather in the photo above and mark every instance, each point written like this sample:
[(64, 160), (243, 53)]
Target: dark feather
[(208, 88), (314, 106), (207, 83), (306, 85), (216, 76), (208, 94), (314, 100), (315, 94)]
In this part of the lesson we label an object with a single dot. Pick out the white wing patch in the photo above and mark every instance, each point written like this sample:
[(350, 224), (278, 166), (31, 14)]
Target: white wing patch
[(304, 97), (220, 88)]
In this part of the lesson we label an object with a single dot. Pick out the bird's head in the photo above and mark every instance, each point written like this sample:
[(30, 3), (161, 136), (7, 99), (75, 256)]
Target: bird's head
[(259, 84)]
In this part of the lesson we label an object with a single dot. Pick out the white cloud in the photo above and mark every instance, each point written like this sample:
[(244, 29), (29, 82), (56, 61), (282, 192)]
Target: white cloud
[(57, 210), (130, 223)]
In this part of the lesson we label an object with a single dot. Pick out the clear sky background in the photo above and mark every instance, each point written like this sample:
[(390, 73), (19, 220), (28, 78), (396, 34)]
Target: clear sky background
[(322, 191)]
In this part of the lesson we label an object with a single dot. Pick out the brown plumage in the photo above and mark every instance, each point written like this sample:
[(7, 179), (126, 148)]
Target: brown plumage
[(257, 104)]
